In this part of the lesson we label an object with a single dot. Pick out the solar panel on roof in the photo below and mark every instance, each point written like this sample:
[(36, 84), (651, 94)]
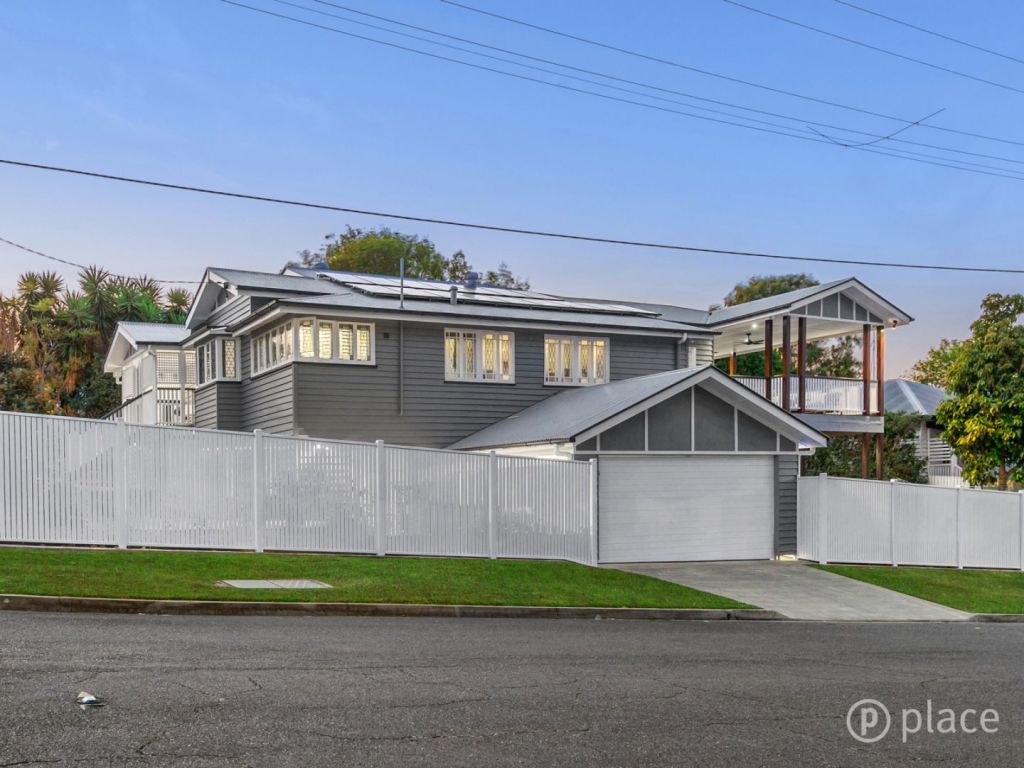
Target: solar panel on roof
[(433, 291)]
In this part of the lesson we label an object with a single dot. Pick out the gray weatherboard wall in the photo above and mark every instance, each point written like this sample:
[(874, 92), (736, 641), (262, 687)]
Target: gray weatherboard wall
[(265, 402), (219, 406), (787, 469), (355, 402)]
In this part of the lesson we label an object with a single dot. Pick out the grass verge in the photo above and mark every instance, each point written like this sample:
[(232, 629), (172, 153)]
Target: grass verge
[(446, 581), (974, 591)]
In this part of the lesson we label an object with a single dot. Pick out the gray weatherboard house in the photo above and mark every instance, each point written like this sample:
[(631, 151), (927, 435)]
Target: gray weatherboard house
[(694, 463)]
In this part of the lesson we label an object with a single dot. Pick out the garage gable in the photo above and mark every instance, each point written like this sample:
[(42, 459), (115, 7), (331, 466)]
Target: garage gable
[(695, 410), (696, 420)]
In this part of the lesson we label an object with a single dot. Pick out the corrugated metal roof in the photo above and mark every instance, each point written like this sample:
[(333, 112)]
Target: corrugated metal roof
[(769, 303), (913, 397), (565, 415), (243, 278), (328, 288), (153, 333), (355, 300)]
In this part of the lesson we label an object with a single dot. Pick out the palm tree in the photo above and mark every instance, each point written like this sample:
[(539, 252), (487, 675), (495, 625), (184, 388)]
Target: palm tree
[(62, 334), (176, 305)]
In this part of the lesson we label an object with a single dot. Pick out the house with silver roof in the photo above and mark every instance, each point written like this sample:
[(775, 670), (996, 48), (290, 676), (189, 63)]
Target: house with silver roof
[(923, 400), (337, 355)]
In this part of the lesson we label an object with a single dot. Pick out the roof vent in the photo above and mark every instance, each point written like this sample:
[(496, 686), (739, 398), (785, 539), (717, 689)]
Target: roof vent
[(472, 280), (453, 294)]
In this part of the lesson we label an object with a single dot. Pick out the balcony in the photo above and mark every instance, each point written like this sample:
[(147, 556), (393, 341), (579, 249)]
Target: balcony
[(822, 394)]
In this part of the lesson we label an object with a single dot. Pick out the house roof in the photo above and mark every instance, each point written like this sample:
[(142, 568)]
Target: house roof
[(152, 333), (562, 417), (129, 336), (308, 287), (801, 296), (463, 312), (913, 397)]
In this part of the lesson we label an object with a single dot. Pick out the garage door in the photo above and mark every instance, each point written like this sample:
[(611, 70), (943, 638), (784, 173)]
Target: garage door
[(662, 508)]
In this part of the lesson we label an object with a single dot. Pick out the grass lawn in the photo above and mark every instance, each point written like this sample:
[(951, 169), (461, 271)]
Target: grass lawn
[(969, 590), (192, 575)]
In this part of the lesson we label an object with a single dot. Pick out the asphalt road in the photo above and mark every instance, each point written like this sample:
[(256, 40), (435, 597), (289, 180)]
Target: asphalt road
[(472, 692)]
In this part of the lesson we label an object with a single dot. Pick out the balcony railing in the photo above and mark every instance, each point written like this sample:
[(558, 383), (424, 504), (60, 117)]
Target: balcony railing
[(175, 406), (822, 394), (948, 475), (163, 406)]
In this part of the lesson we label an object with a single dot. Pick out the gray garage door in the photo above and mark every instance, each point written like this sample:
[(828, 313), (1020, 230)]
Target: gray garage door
[(662, 508)]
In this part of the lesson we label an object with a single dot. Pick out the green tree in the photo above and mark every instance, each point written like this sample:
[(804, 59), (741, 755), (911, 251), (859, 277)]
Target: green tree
[(22, 388), (900, 459), (763, 286), (934, 367), (984, 418), (502, 277), (380, 251), (835, 357), (58, 337)]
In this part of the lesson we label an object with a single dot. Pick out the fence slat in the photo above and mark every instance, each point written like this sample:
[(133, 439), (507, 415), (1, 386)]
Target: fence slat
[(848, 520), (82, 481)]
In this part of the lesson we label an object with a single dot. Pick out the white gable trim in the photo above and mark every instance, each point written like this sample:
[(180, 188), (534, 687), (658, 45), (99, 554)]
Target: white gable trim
[(737, 395)]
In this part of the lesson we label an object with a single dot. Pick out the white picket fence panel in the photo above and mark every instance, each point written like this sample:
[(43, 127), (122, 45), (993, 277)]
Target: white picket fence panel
[(845, 520), (83, 481)]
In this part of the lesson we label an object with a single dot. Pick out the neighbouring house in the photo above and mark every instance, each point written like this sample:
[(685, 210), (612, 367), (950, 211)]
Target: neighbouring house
[(924, 400), (361, 357), (157, 374)]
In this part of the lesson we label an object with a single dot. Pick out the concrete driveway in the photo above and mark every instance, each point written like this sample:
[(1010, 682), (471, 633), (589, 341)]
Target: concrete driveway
[(798, 591)]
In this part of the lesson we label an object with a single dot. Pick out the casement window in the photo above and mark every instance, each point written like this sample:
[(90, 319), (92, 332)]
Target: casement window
[(272, 348), (215, 360), (479, 356), (337, 341), (575, 360), (315, 340)]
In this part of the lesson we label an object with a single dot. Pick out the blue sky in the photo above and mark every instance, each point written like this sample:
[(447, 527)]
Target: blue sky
[(196, 91)]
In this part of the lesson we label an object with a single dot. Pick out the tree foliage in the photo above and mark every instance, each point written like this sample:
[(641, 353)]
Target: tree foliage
[(934, 368), (380, 251), (900, 461), (53, 338), (763, 286), (834, 357), (984, 418)]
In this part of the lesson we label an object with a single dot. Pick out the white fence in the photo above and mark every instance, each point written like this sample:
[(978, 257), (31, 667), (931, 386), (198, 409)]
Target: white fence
[(82, 481), (866, 521)]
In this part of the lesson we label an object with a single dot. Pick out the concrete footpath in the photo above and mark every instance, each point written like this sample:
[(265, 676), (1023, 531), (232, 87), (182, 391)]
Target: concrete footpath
[(798, 591)]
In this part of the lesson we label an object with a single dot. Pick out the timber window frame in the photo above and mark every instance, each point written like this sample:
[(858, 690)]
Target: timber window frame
[(576, 361), (479, 356), (215, 360), (314, 340)]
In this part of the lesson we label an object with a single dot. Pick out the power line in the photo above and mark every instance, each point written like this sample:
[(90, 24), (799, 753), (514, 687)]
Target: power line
[(500, 228), (875, 138), (932, 32), (729, 78), (777, 130), (871, 47), (82, 266), (880, 138)]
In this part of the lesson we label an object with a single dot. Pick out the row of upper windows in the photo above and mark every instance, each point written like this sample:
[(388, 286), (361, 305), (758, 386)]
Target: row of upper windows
[(469, 355)]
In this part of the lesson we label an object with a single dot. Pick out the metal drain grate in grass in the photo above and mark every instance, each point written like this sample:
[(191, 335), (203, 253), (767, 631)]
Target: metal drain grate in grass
[(273, 584)]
